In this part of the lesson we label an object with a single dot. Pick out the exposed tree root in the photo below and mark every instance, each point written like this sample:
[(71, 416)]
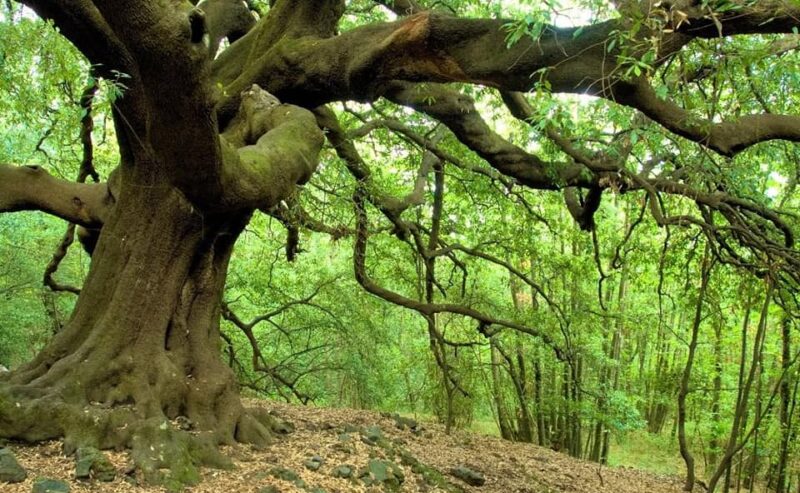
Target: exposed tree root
[(164, 451)]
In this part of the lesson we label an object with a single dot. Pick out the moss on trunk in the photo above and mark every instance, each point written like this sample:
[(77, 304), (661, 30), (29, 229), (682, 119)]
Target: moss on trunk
[(142, 347)]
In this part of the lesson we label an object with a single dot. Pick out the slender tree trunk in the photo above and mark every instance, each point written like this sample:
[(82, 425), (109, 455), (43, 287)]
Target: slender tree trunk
[(525, 421), (503, 420), (683, 391), (783, 453), (740, 385), (541, 418), (737, 438), (577, 427), (713, 443)]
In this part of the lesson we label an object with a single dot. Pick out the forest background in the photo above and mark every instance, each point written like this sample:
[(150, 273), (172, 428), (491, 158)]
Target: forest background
[(644, 338)]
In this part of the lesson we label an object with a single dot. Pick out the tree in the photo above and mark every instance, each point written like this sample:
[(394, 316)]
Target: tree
[(203, 146)]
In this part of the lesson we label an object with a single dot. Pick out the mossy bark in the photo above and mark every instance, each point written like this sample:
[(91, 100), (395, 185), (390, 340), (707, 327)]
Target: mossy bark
[(142, 346)]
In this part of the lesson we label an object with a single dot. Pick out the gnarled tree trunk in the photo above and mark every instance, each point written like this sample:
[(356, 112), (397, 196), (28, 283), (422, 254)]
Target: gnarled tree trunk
[(142, 346)]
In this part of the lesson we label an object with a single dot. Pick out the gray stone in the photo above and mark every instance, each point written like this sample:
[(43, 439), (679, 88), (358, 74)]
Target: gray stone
[(344, 471), (472, 478), (287, 475), (402, 423), (90, 462), (44, 485), (282, 427), (10, 470), (344, 448), (381, 472), (372, 435), (314, 463)]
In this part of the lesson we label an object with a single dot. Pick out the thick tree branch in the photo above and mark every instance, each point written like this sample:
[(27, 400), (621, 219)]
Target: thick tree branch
[(83, 24), (433, 47), (269, 148), (32, 188), (726, 138), (740, 17), (459, 114)]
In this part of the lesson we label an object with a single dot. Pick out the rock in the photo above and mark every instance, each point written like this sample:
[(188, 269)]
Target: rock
[(372, 435), (283, 473), (407, 459), (381, 472), (3, 369), (44, 485), (282, 427), (90, 462), (184, 423), (10, 470), (287, 475), (472, 478), (430, 476), (402, 423), (344, 448), (314, 463), (344, 471)]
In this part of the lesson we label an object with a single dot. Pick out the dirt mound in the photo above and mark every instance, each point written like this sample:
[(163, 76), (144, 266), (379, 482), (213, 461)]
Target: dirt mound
[(344, 450)]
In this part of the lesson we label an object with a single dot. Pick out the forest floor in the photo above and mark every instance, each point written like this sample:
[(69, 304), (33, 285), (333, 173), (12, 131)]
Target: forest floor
[(345, 437)]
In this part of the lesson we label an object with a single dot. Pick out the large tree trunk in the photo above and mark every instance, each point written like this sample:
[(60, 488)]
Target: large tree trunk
[(142, 345)]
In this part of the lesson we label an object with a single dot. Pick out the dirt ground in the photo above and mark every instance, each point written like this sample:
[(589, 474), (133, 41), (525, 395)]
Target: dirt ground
[(507, 467)]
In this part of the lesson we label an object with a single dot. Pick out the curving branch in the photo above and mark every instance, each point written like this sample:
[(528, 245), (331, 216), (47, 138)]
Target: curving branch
[(86, 170), (392, 207), (427, 309), (269, 148), (752, 226), (727, 138), (458, 113), (278, 371), (32, 188), (82, 23)]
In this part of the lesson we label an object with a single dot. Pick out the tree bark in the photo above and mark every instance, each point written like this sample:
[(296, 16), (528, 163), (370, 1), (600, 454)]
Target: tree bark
[(683, 391), (784, 414), (142, 346)]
